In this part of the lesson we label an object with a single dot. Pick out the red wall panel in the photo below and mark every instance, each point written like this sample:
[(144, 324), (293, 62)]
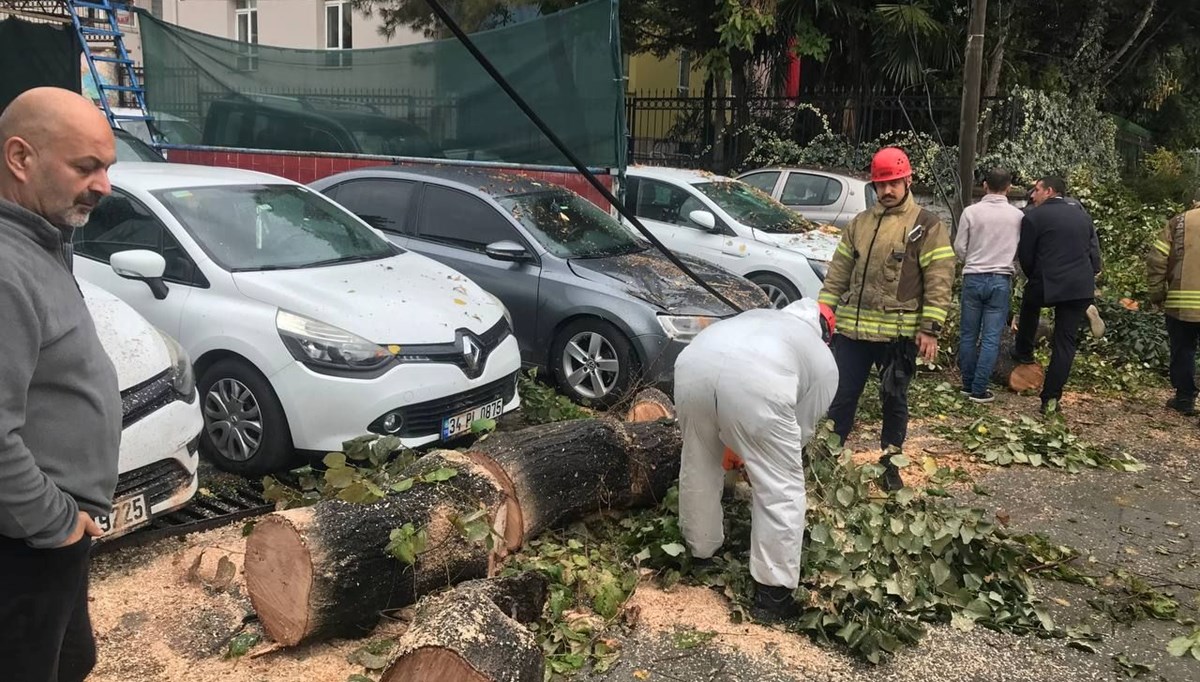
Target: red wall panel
[(307, 168)]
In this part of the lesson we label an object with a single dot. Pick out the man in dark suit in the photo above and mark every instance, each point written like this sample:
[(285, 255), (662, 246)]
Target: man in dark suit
[(1060, 255)]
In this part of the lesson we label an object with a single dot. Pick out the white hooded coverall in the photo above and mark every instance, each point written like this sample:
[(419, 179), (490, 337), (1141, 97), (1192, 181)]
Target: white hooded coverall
[(757, 383)]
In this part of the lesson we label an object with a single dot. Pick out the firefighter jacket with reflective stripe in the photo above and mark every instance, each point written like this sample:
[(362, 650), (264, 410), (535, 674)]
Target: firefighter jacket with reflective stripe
[(891, 274), (1173, 266)]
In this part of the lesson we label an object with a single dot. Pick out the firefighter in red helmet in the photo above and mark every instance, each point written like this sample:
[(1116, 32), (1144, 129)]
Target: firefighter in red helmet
[(889, 285)]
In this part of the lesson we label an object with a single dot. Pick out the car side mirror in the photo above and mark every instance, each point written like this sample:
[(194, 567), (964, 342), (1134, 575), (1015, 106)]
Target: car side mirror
[(704, 219), (143, 265), (508, 251)]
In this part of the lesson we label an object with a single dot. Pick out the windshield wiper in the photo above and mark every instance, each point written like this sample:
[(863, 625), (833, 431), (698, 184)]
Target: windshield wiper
[(346, 259)]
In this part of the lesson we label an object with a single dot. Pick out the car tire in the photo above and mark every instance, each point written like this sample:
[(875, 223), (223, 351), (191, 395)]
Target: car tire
[(245, 429), (601, 343), (779, 290)]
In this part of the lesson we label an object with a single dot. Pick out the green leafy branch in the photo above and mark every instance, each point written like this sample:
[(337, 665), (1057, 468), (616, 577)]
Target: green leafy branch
[(1034, 442)]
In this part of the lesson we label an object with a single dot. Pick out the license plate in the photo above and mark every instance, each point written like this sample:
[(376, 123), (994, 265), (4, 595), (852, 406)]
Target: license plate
[(460, 423), (127, 513)]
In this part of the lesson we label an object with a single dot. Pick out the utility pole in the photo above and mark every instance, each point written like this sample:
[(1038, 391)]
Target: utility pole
[(968, 129)]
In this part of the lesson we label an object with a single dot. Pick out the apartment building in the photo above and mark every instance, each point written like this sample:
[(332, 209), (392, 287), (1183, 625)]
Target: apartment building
[(302, 24)]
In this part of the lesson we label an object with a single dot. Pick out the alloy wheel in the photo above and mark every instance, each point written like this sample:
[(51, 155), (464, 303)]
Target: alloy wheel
[(779, 297), (590, 365)]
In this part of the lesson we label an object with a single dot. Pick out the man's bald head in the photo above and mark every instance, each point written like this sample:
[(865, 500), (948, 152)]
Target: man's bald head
[(55, 150)]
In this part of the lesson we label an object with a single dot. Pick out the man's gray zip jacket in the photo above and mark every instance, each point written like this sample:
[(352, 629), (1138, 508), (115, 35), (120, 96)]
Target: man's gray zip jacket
[(60, 405)]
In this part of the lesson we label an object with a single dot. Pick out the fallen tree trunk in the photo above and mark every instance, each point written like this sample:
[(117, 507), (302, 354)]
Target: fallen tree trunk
[(325, 571), (474, 633)]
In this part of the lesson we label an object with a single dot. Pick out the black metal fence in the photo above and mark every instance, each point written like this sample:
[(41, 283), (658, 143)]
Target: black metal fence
[(667, 129)]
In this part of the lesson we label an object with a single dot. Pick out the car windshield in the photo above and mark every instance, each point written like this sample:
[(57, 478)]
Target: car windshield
[(570, 226), (271, 227), (178, 132), (753, 207), (388, 139), (129, 148)]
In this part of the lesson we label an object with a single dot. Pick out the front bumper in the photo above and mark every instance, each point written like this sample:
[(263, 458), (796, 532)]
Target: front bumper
[(658, 353), (325, 411), (159, 460)]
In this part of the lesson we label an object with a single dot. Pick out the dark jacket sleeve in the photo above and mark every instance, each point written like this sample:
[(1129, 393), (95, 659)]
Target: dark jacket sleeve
[(1094, 249), (1027, 247), (32, 508)]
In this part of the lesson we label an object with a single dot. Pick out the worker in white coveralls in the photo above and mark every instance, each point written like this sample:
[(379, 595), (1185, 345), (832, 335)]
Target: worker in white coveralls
[(758, 383)]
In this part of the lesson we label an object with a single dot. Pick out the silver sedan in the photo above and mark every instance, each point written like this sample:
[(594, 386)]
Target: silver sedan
[(820, 196)]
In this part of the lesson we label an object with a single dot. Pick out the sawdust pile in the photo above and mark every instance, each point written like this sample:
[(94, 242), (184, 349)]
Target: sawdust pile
[(702, 609), (921, 443), (169, 611)]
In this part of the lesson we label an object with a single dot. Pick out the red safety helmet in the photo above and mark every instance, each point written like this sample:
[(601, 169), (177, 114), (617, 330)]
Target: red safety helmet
[(890, 163)]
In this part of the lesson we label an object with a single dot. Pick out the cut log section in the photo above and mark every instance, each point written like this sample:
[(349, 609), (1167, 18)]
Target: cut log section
[(1019, 376), (563, 471), (650, 405), (324, 570), (474, 633)]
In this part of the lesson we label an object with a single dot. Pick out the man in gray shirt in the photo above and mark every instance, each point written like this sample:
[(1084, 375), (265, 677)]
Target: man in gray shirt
[(986, 243), (60, 406)]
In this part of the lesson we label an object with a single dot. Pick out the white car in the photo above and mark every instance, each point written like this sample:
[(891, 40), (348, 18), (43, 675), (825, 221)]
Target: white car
[(820, 196), (160, 415), (729, 223), (306, 326)]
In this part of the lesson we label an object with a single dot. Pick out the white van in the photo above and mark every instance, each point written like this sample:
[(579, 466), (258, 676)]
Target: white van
[(160, 415)]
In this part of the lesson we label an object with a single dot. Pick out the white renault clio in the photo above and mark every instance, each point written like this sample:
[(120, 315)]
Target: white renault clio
[(306, 326), (160, 417), (734, 225)]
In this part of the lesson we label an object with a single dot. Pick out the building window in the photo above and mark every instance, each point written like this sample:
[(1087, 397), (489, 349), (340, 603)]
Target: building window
[(685, 72), (156, 8), (339, 34), (247, 21), (246, 16), (338, 31)]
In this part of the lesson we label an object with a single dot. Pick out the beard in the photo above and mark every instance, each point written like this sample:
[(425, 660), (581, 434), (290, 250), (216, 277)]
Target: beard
[(79, 212)]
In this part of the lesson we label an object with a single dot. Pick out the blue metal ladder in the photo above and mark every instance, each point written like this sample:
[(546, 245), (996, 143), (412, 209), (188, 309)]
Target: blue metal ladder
[(85, 22)]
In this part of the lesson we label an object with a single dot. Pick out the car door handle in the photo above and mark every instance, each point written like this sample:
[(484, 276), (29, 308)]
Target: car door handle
[(730, 248)]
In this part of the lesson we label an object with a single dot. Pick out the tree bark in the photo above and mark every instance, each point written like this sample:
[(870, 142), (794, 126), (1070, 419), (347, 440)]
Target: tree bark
[(990, 88), (1137, 31), (324, 570), (474, 633), (1016, 376)]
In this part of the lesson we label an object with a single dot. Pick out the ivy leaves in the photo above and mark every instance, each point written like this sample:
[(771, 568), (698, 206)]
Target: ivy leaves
[(1034, 442)]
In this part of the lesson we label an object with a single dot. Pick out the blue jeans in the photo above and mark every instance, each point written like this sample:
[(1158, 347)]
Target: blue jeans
[(984, 311)]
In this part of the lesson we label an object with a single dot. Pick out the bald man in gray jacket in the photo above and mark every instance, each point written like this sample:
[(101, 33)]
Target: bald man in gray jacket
[(60, 406)]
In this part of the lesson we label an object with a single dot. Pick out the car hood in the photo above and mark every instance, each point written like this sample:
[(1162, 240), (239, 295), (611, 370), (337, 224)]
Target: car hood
[(137, 351), (816, 244), (406, 298), (653, 278)]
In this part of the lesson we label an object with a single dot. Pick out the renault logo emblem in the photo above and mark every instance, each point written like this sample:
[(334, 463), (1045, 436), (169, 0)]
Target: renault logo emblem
[(471, 352)]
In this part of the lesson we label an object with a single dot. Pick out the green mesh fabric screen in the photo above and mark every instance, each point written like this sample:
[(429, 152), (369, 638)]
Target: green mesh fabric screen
[(425, 100)]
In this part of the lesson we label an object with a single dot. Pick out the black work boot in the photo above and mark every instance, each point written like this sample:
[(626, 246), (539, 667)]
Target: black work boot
[(890, 480), (773, 604), (1184, 406)]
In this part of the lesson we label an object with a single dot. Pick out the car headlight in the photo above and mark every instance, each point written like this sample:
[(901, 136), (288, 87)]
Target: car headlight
[(324, 346), (183, 377), (507, 315), (820, 267), (684, 327)]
